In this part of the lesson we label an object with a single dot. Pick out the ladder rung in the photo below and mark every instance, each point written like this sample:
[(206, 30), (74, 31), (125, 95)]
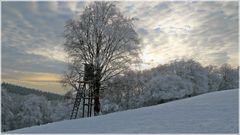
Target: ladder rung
[(87, 98), (89, 104)]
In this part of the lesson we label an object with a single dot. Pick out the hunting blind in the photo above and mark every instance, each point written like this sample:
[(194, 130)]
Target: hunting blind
[(85, 94)]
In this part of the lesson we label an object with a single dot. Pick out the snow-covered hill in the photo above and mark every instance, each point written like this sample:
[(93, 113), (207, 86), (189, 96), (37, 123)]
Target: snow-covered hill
[(215, 112)]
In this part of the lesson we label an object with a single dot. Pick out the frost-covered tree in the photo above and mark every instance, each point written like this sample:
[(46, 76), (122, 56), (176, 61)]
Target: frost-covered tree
[(34, 111), (8, 106), (230, 77), (193, 71), (103, 37), (124, 90), (163, 88), (214, 78), (19, 111)]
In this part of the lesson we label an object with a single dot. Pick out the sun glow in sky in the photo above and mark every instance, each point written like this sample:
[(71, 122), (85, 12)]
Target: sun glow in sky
[(32, 36)]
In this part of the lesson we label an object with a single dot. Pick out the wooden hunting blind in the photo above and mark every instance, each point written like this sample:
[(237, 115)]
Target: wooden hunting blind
[(85, 94), (88, 72)]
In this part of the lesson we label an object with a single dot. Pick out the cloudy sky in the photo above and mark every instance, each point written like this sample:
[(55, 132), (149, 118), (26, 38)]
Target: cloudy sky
[(32, 36)]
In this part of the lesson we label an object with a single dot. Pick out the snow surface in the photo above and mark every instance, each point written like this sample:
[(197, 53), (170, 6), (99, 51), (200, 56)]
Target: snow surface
[(215, 112)]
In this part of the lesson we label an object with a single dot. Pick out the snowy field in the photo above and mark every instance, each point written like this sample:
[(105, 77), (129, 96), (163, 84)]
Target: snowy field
[(215, 112)]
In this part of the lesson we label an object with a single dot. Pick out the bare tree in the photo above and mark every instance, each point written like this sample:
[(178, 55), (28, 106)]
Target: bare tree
[(101, 36)]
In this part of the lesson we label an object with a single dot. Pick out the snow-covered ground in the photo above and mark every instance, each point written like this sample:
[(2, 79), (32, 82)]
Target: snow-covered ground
[(215, 112)]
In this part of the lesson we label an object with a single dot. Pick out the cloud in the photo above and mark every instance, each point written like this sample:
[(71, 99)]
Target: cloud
[(37, 80), (33, 6), (53, 6), (57, 53), (72, 5), (165, 26), (219, 57), (30, 76), (15, 59), (204, 31), (142, 31), (31, 39), (48, 86)]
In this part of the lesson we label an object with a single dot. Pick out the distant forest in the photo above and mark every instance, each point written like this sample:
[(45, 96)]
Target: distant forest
[(26, 91)]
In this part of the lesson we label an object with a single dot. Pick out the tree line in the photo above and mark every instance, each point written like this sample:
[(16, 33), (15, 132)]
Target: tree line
[(176, 80), (25, 91)]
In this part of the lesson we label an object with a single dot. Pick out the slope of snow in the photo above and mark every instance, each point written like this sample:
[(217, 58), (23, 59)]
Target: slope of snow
[(215, 112)]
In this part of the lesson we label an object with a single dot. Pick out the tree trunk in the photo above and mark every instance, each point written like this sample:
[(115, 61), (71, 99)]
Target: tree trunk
[(96, 97)]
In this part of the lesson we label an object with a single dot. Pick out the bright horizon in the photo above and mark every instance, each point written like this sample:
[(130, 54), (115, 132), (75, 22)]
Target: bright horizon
[(32, 36)]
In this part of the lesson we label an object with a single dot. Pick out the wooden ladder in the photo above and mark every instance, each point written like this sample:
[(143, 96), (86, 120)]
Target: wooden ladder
[(86, 96), (76, 105)]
